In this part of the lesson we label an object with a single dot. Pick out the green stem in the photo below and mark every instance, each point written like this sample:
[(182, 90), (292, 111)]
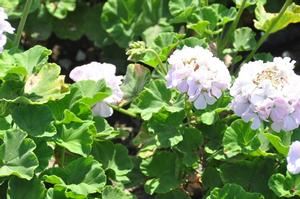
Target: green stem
[(233, 25), (162, 69), (22, 23), (124, 111), (269, 31)]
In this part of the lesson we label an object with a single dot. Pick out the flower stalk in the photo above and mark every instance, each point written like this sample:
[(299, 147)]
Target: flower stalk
[(22, 23), (124, 111)]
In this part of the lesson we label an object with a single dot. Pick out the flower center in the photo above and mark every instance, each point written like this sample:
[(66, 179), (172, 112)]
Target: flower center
[(192, 61), (276, 77)]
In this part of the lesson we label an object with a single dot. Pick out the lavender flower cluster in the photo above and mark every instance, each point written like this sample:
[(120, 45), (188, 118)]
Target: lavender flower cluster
[(196, 72), (268, 92)]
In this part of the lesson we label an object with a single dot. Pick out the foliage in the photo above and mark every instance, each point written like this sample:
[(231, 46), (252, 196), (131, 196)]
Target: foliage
[(52, 146)]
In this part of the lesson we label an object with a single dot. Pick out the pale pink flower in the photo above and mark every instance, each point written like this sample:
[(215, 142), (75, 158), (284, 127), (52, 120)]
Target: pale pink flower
[(5, 27), (101, 71), (196, 72), (268, 92), (293, 158)]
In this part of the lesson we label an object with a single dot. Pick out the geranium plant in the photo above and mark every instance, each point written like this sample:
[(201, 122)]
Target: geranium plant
[(215, 118)]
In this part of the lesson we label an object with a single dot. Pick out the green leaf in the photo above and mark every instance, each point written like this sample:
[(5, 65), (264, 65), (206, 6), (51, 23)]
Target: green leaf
[(244, 39), (46, 85), (70, 102), (163, 170), (80, 177), (33, 58), (92, 91), (224, 14), (55, 194), (104, 130), (16, 155), (125, 20), (119, 19), (240, 138), (165, 43), (208, 118), (110, 192), (76, 137), (192, 42), (15, 8), (93, 26), (34, 119), (205, 22), (248, 2), (73, 26), (211, 178), (156, 96), (114, 157), (264, 20), (44, 153), (182, 9), (175, 194), (39, 24), (245, 173), (230, 191), (60, 8), (151, 33), (24, 189), (285, 186), (134, 81), (266, 57), (278, 143), (189, 146), (165, 127)]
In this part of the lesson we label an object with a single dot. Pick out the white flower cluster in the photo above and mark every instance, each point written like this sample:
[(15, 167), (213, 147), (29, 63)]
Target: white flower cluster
[(293, 158), (268, 92), (101, 71), (4, 27), (196, 72)]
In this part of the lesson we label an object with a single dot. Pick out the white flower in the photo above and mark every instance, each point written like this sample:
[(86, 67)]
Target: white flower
[(198, 73), (268, 92), (5, 27), (101, 71), (293, 159)]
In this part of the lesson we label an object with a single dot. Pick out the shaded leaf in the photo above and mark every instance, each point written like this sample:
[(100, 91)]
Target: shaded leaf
[(80, 177), (230, 191), (16, 155), (163, 169), (156, 96), (24, 189)]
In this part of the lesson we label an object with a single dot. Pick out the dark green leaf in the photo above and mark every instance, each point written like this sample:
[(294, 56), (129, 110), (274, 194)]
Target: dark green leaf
[(230, 191), (110, 192), (16, 155), (114, 157), (80, 177), (156, 96), (285, 186), (34, 119), (24, 189), (163, 169), (244, 39), (240, 138), (134, 81), (76, 137)]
